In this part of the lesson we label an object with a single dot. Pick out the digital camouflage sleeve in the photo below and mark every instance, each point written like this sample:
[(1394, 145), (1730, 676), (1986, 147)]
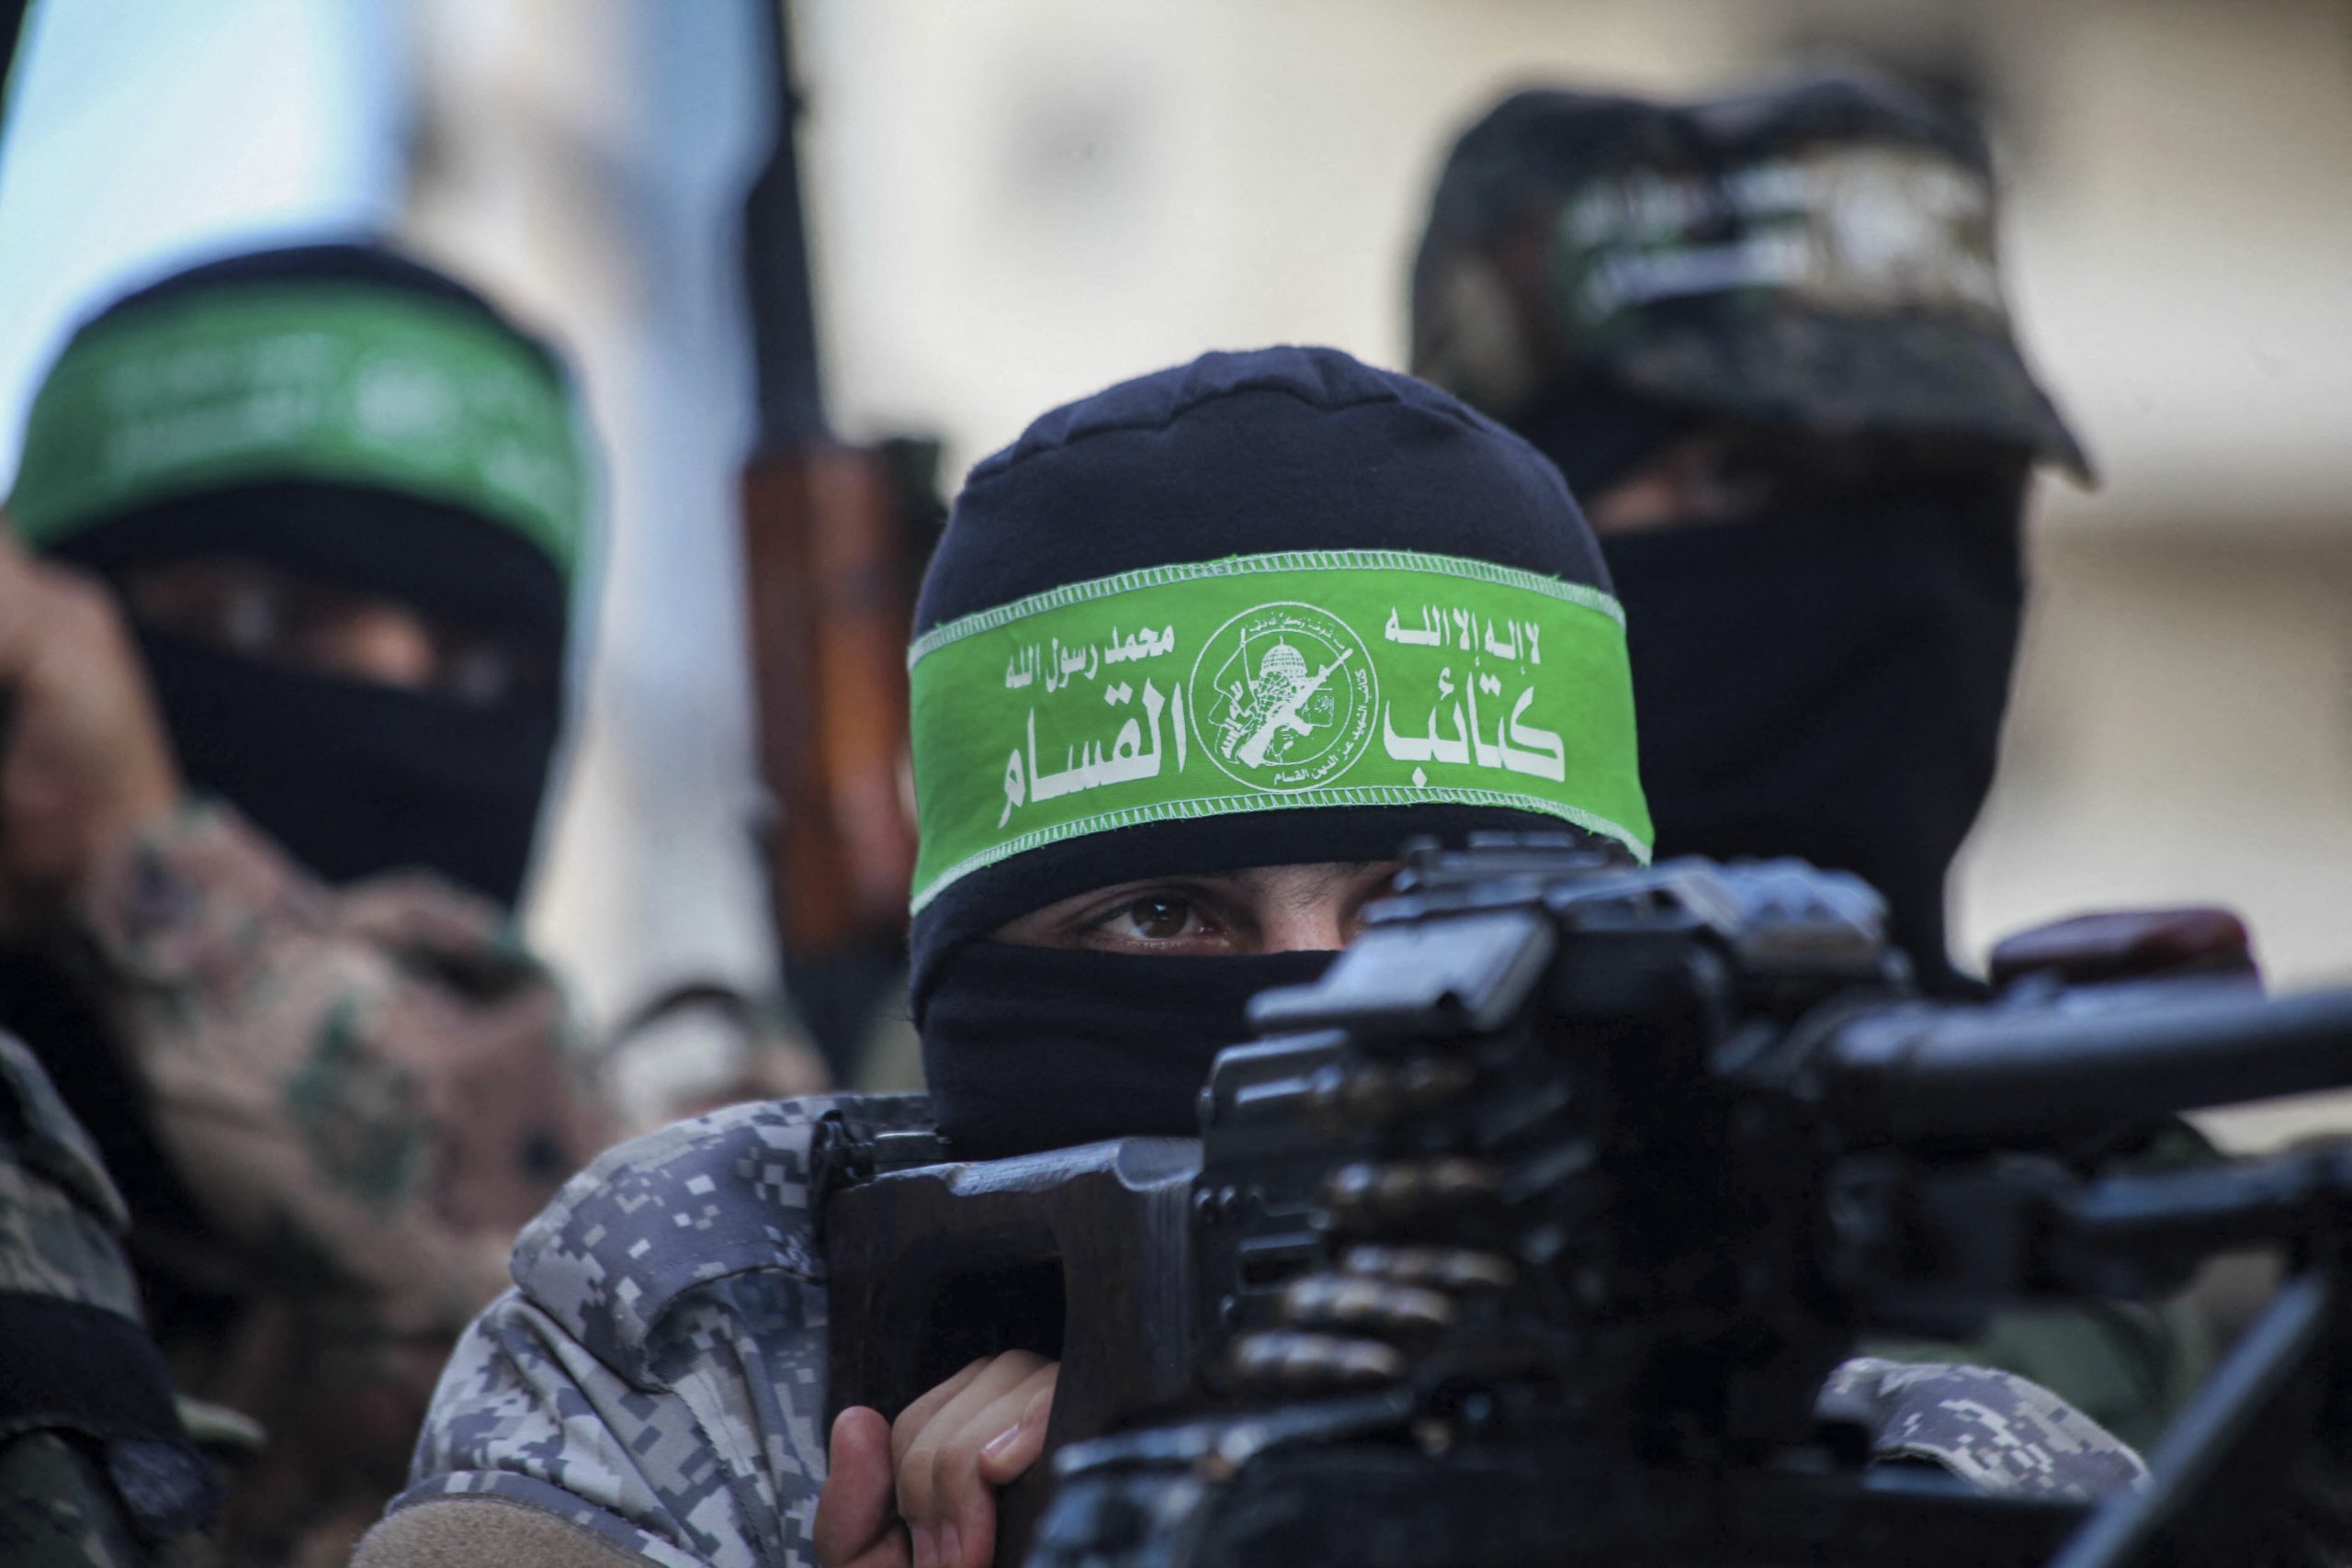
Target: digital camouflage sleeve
[(375, 1085), (365, 1091), (1993, 1429), (656, 1377)]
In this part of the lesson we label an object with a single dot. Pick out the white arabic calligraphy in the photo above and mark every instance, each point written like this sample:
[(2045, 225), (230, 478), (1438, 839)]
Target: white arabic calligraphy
[(1431, 635), (1145, 644), (1518, 746), (1514, 640), (1089, 766), (1083, 658)]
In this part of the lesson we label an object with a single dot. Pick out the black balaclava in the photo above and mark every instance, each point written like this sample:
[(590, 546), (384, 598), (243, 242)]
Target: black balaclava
[(1827, 678), (352, 778), (383, 779), (1030, 1048), (1277, 451), (1813, 260)]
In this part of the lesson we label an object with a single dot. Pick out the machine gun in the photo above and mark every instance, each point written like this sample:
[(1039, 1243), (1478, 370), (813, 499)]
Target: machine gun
[(1530, 1232)]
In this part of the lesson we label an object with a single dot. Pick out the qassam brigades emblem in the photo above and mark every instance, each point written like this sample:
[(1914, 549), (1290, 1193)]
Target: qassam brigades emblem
[(1283, 697)]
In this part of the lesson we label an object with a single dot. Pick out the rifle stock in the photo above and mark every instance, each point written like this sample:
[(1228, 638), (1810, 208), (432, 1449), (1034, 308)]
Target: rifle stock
[(827, 559)]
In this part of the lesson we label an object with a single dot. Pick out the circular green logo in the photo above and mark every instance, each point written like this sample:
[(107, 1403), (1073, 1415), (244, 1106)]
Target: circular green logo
[(1283, 697)]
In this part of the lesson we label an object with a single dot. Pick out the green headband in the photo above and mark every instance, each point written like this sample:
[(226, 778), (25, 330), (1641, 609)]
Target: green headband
[(336, 382), (1311, 679)]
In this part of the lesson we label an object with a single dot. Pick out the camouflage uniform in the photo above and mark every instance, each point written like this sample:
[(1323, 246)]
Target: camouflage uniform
[(657, 1377), (94, 1468), (1991, 1429), (365, 1091)]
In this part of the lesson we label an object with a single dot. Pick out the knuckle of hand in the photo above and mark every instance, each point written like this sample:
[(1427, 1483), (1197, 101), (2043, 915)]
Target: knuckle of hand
[(956, 1480), (945, 1461), (916, 1467), (904, 1442)]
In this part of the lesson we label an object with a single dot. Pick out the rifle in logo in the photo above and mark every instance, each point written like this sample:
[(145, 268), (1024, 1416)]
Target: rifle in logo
[(1285, 713)]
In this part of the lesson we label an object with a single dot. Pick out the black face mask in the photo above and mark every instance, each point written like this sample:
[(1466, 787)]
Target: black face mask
[(1030, 1048), (1830, 684), (354, 778)]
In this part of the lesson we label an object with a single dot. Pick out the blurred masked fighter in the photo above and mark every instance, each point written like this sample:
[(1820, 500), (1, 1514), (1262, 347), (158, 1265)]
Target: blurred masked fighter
[(283, 630), (1765, 338)]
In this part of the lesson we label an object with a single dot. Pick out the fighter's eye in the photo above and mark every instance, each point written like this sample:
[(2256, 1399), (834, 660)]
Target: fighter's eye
[(1176, 917), (1156, 917)]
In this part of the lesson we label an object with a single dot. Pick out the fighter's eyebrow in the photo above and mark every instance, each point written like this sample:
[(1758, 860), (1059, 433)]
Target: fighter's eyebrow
[(1328, 877)]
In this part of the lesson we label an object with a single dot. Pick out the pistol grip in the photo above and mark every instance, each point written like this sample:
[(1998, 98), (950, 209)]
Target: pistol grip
[(933, 1266)]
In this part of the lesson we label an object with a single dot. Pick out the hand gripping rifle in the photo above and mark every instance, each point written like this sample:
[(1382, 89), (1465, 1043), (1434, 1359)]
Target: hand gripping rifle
[(1530, 1232)]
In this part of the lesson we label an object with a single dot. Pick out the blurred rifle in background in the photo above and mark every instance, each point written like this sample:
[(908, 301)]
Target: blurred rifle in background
[(835, 538)]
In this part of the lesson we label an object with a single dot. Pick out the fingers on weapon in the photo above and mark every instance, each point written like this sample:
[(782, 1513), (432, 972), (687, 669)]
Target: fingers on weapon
[(1007, 1456), (916, 1416), (949, 1505)]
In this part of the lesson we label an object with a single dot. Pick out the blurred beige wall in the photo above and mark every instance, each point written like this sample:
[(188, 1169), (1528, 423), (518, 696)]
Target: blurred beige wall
[(583, 161), (1019, 201)]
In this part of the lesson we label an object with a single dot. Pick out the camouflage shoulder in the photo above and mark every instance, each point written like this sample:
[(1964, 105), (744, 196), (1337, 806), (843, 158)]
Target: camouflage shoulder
[(96, 1464), (61, 1222), (37, 1129), (1991, 1429), (670, 1213), (57, 1511)]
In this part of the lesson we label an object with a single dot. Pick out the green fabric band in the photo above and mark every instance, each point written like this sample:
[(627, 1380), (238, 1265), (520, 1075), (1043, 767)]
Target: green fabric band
[(304, 381), (1315, 679)]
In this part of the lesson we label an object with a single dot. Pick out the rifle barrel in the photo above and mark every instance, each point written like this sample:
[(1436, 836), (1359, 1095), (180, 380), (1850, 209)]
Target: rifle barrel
[(776, 263), (2092, 1061)]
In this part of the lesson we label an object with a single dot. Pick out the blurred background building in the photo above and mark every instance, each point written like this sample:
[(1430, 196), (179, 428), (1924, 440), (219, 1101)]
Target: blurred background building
[(1016, 202)]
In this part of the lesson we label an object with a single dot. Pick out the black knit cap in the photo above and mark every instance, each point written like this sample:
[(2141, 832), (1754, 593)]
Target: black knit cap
[(434, 554), (1282, 448)]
